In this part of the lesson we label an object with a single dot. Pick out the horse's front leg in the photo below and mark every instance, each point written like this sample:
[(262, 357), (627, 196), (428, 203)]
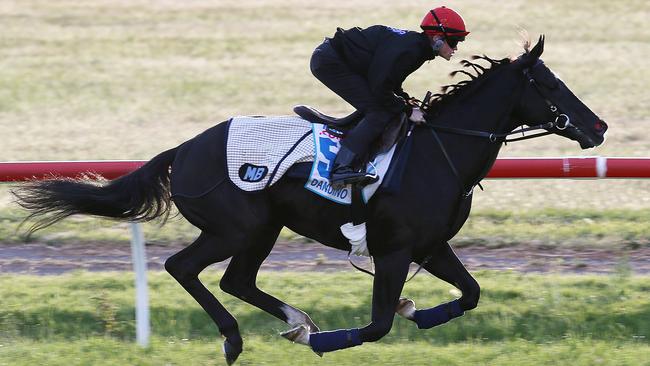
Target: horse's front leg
[(445, 265), (390, 273)]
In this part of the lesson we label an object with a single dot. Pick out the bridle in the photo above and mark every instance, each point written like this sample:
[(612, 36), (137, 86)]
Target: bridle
[(552, 106), (561, 122)]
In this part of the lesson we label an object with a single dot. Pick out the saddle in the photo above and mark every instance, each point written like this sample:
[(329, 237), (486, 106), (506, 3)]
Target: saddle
[(393, 133), (313, 115)]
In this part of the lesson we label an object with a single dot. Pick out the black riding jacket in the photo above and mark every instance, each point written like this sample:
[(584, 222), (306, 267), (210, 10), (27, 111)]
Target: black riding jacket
[(385, 56)]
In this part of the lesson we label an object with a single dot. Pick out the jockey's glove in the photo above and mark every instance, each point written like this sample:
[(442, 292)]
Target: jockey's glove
[(417, 115)]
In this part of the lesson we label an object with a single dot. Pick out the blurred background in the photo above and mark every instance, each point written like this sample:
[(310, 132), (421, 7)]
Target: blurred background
[(98, 79)]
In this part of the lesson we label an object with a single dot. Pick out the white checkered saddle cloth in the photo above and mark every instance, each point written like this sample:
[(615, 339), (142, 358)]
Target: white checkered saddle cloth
[(260, 150)]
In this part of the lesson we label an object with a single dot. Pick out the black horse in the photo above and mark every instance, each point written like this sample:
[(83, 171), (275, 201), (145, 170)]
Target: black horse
[(449, 156)]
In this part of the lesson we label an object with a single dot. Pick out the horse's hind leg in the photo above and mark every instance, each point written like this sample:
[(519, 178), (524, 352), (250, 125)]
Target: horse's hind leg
[(446, 266), (185, 267), (240, 281)]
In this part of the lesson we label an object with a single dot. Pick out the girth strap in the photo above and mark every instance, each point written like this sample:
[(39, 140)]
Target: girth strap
[(357, 206)]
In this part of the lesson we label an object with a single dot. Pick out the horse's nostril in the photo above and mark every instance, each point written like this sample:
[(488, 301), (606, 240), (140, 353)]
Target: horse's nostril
[(600, 126)]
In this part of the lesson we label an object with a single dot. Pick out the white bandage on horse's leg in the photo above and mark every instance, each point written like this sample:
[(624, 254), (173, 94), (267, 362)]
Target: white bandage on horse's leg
[(356, 234)]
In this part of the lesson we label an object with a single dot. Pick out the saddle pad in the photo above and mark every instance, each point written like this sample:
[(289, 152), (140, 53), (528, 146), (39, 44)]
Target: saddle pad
[(327, 146), (259, 150)]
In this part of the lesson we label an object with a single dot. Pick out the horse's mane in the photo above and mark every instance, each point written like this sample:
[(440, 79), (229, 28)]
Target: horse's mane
[(449, 92)]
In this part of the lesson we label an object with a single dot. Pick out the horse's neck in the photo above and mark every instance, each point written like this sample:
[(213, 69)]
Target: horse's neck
[(489, 109)]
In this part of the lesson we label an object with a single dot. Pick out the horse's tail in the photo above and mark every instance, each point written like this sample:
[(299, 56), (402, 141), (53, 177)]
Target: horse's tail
[(141, 195)]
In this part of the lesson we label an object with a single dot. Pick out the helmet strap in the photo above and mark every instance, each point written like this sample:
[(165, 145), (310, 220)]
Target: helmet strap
[(442, 27)]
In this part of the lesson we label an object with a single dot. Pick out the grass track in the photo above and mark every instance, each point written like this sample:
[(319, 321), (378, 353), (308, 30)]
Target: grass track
[(85, 318), (267, 351)]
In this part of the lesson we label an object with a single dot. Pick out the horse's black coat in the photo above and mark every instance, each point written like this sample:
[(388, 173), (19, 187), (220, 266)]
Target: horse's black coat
[(403, 227)]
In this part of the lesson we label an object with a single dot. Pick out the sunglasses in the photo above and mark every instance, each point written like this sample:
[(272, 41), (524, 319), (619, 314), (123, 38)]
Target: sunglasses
[(453, 41)]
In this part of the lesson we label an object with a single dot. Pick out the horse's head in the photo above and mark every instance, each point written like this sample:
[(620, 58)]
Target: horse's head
[(547, 98)]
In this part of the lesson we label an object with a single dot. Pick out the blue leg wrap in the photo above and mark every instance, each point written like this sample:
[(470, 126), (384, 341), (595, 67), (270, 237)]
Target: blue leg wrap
[(429, 318), (336, 339)]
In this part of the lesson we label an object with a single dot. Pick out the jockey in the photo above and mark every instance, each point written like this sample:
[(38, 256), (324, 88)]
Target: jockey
[(366, 67)]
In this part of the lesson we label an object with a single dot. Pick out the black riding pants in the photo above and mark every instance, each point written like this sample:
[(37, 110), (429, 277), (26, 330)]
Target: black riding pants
[(331, 70)]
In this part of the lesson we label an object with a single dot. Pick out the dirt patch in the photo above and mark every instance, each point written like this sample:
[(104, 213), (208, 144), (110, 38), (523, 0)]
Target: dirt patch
[(44, 259)]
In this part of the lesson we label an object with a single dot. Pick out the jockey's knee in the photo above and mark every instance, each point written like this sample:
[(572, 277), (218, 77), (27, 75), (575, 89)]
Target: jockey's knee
[(470, 297), (376, 330)]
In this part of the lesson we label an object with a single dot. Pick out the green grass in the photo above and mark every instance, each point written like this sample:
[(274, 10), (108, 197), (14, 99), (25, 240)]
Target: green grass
[(612, 229), (263, 351), (84, 318)]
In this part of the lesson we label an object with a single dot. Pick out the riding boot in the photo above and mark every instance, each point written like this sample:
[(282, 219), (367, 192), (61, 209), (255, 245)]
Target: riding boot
[(346, 170)]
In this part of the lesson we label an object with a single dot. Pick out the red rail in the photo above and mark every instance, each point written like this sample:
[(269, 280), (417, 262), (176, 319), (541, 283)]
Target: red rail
[(23, 170), (592, 167), (506, 168)]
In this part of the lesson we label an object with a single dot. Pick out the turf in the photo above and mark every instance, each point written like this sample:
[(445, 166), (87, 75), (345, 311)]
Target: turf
[(85, 318)]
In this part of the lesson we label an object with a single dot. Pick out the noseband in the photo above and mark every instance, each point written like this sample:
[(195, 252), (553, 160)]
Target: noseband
[(552, 106)]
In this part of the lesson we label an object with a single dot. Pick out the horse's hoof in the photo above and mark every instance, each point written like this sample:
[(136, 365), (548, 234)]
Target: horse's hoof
[(231, 352), (311, 327), (406, 308), (299, 334)]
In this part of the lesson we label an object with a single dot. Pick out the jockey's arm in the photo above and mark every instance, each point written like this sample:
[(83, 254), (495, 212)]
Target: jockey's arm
[(386, 76)]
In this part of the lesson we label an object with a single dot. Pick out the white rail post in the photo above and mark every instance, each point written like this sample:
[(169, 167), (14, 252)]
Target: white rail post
[(142, 327)]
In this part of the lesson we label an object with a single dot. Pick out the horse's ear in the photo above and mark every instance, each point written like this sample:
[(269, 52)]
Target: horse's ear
[(529, 58), (539, 48)]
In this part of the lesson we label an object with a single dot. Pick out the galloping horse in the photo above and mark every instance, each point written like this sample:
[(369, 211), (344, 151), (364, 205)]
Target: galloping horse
[(450, 154)]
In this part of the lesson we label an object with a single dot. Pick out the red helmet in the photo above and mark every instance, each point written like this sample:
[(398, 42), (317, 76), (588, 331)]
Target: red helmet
[(444, 21)]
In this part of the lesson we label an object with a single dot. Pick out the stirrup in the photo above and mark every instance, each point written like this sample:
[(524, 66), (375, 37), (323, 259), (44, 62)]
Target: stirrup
[(361, 178), (346, 176), (370, 178)]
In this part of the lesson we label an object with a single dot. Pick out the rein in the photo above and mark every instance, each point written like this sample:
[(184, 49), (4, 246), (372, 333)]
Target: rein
[(500, 137), (493, 138)]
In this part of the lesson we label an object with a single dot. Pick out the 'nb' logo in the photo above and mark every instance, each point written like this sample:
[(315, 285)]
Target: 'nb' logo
[(401, 32), (252, 173)]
